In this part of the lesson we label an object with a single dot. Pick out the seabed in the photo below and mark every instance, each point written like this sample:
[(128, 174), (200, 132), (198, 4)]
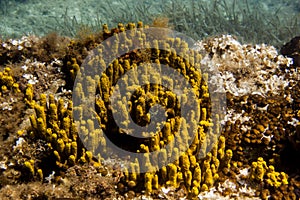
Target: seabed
[(51, 147)]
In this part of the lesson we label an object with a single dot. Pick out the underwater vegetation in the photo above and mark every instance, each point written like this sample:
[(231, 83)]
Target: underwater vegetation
[(249, 152), (255, 22)]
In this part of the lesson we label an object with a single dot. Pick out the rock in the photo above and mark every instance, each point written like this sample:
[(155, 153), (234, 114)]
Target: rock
[(292, 49)]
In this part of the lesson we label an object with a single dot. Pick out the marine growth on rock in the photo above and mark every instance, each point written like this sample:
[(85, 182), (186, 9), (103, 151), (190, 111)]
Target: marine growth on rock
[(75, 100)]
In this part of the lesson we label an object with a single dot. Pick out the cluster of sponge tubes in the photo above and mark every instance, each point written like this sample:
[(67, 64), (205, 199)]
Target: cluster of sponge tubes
[(196, 167), (7, 82), (53, 123)]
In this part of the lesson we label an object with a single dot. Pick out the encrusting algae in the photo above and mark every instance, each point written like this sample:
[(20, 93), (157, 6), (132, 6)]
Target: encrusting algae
[(257, 129)]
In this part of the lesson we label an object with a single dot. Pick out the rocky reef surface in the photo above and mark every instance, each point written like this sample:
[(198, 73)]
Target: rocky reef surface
[(251, 152)]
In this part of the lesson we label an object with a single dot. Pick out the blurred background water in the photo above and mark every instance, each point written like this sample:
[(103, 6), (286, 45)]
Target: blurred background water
[(254, 21)]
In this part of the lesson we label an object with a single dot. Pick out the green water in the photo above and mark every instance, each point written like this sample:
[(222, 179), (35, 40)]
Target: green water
[(256, 21)]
